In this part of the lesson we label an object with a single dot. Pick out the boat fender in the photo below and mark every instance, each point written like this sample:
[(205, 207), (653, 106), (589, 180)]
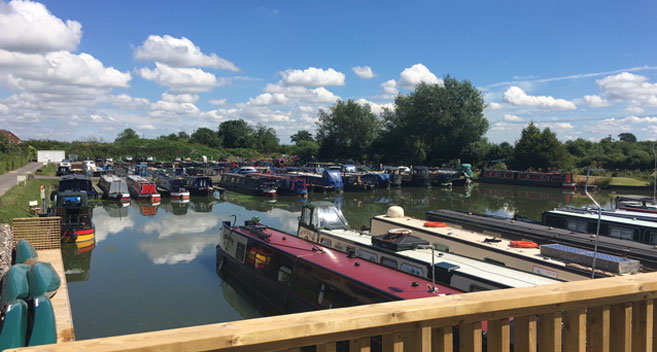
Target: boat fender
[(523, 244), (434, 224)]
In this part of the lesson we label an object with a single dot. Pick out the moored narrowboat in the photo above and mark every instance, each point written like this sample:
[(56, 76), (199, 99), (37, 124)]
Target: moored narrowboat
[(296, 275), (529, 178), (77, 183), (250, 182), (76, 216), (114, 188), (418, 177), (174, 187), (199, 185), (143, 189)]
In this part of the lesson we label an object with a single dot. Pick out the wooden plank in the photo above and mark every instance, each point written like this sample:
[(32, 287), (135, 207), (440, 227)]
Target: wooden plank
[(393, 342), (574, 330), (296, 349), (419, 339), (524, 334), (442, 339), (360, 345), (470, 337), (642, 325), (597, 329), (60, 302), (312, 328), (549, 332), (620, 329), (327, 347), (499, 336)]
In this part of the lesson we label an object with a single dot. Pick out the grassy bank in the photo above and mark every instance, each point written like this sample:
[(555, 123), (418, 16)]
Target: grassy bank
[(14, 204), (47, 170)]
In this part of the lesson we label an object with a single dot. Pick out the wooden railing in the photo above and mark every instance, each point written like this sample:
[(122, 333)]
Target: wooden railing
[(612, 314), (41, 232)]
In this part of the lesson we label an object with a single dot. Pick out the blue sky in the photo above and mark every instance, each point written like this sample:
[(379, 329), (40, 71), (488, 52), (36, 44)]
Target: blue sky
[(76, 70)]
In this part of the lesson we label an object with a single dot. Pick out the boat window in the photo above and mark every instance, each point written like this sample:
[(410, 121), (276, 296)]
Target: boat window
[(326, 295), (284, 276), (330, 218), (305, 216), (412, 269), (625, 233), (652, 237), (260, 259), (476, 288), (325, 241), (240, 250), (367, 255), (576, 225), (389, 262)]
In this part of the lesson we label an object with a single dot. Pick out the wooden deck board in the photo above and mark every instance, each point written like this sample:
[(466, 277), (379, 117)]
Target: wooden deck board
[(60, 302)]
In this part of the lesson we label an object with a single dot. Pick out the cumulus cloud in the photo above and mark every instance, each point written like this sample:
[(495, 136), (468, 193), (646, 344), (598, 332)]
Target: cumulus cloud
[(269, 99), (180, 98), (179, 52), (181, 80), (557, 125), (146, 127), (165, 108), (630, 89), (513, 118), (516, 96), (495, 106), (312, 77), (416, 74), (376, 108), (3, 109), (364, 72), (29, 27), (304, 95), (217, 101), (127, 101), (595, 101), (390, 90), (626, 124), (249, 112)]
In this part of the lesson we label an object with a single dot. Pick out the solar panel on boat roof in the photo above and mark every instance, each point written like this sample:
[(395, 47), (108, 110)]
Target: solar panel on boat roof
[(608, 262)]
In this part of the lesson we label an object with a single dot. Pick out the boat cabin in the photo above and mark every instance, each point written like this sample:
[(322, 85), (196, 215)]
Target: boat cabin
[(77, 183)]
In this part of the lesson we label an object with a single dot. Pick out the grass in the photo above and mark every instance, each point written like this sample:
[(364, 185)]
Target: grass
[(628, 181), (47, 170), (14, 203)]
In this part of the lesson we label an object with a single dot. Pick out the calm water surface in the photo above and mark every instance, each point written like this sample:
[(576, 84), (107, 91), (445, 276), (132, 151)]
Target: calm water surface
[(153, 268)]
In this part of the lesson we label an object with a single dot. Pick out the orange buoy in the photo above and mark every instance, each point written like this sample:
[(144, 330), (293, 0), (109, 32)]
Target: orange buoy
[(434, 224), (524, 244)]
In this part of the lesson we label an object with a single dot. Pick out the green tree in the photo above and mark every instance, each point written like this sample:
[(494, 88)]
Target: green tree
[(207, 137), (627, 137), (183, 135), (127, 135), (306, 150), (236, 134), (346, 131), (266, 140), (435, 122), (539, 150), (301, 135)]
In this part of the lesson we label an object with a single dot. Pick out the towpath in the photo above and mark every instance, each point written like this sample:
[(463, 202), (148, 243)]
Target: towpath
[(8, 180)]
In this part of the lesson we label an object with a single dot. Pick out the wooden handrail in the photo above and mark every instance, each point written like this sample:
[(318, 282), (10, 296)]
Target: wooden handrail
[(616, 312)]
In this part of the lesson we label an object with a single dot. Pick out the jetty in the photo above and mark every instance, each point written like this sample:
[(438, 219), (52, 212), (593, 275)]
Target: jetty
[(44, 235)]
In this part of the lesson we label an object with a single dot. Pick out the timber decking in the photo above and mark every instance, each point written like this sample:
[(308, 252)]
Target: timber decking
[(60, 302)]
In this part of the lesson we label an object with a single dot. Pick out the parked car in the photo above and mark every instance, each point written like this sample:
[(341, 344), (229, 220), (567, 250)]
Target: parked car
[(128, 158), (65, 163)]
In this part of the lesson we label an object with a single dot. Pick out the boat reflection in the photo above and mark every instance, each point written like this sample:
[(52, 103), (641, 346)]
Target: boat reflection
[(201, 204), (116, 209), (77, 261), (174, 206), (145, 208)]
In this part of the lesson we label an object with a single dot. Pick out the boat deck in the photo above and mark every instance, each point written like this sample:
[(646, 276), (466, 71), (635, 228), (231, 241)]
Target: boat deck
[(60, 302)]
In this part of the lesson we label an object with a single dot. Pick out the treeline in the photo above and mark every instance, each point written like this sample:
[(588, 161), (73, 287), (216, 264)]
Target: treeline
[(14, 156), (433, 125)]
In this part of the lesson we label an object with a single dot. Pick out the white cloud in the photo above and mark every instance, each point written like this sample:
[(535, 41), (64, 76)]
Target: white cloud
[(513, 118), (557, 125), (164, 108), (630, 89), (180, 98), (307, 109), (3, 109), (304, 95), (179, 52), (269, 99), (376, 108), (416, 74), (364, 72), (390, 90), (516, 96), (146, 127), (626, 124), (495, 106), (181, 80), (595, 101), (217, 101), (312, 77), (30, 28), (127, 101)]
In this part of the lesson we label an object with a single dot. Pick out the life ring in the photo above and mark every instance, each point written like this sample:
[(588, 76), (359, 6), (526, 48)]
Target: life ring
[(523, 244), (434, 224)]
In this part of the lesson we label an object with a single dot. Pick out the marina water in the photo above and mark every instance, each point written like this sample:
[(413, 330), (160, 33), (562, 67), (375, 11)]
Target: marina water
[(153, 268)]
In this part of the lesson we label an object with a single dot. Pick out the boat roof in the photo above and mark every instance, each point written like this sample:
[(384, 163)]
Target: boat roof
[(111, 178), (614, 216), (390, 281), (473, 267), (138, 178), (75, 177), (319, 203)]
